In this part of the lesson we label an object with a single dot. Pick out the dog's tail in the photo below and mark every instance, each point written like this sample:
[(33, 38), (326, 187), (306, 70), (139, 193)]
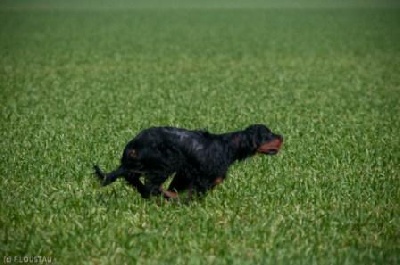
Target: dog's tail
[(108, 178), (98, 173)]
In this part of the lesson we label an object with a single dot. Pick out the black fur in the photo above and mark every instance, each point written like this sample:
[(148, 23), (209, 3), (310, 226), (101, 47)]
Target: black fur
[(199, 159)]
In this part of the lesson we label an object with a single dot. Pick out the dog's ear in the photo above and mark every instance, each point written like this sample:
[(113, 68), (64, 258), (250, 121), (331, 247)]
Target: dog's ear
[(258, 133)]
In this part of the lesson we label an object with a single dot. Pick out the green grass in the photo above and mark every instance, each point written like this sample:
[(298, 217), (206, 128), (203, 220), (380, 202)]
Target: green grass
[(78, 81)]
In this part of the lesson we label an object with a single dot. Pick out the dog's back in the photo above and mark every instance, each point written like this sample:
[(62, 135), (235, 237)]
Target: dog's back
[(164, 149), (164, 138)]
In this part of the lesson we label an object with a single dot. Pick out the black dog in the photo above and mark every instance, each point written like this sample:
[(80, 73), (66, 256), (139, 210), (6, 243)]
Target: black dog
[(199, 159)]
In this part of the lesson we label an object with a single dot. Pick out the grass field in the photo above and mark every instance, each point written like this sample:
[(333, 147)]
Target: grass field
[(78, 80)]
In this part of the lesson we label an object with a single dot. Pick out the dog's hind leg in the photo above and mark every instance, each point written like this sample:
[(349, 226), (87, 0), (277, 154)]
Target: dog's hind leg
[(108, 178), (151, 188)]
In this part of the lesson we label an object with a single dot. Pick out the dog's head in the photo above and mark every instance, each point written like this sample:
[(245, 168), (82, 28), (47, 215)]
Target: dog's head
[(264, 141)]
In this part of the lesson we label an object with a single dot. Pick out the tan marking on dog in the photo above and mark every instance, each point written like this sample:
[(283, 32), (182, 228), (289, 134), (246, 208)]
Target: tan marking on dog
[(132, 153), (169, 194), (274, 144), (218, 180)]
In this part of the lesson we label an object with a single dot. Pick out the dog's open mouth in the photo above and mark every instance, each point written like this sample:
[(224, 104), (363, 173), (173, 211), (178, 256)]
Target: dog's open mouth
[(271, 147)]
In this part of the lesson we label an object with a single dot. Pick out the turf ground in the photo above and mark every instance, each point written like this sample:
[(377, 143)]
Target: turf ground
[(80, 79)]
